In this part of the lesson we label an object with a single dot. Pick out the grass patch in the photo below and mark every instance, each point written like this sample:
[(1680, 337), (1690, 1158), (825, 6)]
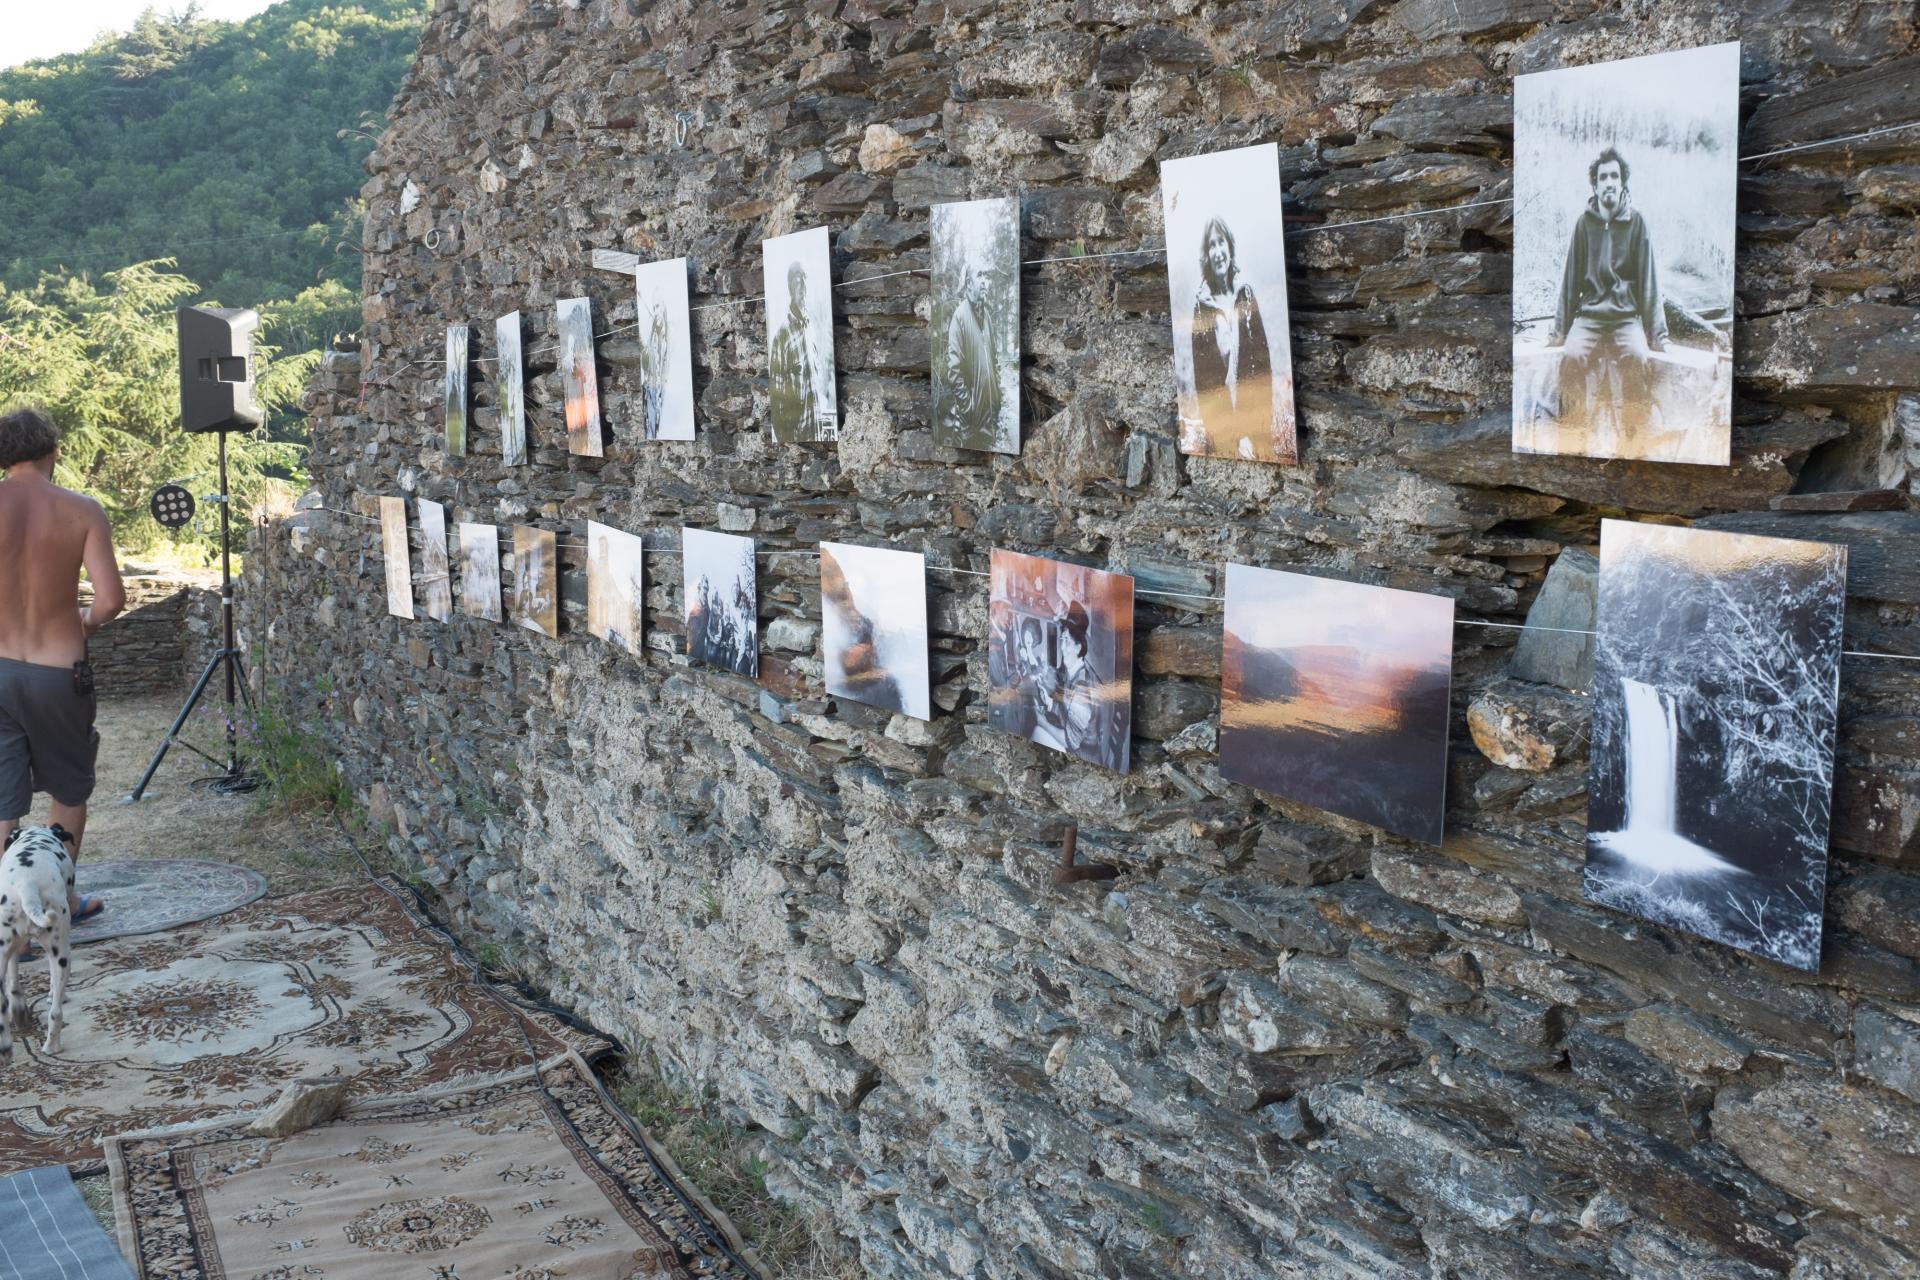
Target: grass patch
[(297, 762), (726, 1164)]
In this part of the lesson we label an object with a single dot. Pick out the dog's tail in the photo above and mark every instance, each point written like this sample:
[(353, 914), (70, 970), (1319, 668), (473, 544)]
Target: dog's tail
[(36, 907)]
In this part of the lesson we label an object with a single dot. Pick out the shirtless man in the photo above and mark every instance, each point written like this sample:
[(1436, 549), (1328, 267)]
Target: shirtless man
[(47, 739)]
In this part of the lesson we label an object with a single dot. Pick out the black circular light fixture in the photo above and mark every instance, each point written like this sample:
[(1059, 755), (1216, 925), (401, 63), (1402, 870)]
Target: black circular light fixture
[(172, 506)]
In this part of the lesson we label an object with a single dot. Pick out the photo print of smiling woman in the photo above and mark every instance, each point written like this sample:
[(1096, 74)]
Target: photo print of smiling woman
[(1227, 279)]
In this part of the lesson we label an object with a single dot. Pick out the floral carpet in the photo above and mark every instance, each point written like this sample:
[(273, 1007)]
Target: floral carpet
[(214, 1018), (493, 1181)]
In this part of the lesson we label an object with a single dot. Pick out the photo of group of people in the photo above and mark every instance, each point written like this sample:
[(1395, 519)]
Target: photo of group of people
[(873, 623), (578, 378), (616, 585), (1623, 241), (1060, 656), (721, 602)]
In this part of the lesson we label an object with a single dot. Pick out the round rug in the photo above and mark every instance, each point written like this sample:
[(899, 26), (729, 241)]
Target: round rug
[(162, 893)]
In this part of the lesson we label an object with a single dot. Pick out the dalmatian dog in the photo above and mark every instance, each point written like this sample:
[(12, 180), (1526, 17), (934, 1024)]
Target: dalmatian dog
[(36, 884)]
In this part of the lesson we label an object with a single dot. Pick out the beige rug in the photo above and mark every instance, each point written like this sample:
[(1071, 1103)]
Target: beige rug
[(482, 1182), (216, 1017)]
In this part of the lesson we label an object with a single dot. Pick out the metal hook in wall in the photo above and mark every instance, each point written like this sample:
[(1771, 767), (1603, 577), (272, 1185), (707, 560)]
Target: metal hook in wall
[(682, 120), (432, 238)]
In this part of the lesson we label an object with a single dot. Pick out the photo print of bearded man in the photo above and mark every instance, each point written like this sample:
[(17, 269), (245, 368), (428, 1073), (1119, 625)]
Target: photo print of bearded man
[(1624, 180)]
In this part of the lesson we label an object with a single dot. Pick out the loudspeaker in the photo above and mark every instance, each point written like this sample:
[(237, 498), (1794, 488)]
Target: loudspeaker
[(216, 368)]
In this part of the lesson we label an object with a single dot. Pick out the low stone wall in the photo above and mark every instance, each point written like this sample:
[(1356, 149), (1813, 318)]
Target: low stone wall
[(1279, 1043), (153, 645)]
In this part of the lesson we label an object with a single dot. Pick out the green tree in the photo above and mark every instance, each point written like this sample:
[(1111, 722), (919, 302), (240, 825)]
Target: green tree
[(103, 362)]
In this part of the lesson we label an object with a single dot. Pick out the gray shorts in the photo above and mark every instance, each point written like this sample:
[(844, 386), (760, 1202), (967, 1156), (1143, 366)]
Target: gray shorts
[(47, 738)]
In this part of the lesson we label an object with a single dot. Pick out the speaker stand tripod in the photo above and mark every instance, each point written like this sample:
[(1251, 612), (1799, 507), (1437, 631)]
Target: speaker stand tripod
[(234, 776)]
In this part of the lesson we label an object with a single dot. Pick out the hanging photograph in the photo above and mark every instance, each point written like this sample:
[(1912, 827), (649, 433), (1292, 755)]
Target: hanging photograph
[(436, 586), (976, 325), (578, 380), (799, 289), (1624, 182), (393, 553), (480, 571), (1716, 681), (873, 623), (1335, 694), (722, 610), (512, 396), (1060, 656), (536, 580), (455, 390), (1227, 280), (665, 333), (616, 585)]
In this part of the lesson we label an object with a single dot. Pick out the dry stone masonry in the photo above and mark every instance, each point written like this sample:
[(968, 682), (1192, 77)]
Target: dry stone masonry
[(1278, 1043)]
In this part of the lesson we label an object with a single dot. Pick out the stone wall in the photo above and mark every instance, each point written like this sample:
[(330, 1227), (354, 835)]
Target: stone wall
[(153, 646), (1278, 1044)]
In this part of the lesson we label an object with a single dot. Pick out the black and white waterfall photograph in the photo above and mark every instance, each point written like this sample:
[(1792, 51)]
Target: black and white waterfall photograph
[(1715, 698)]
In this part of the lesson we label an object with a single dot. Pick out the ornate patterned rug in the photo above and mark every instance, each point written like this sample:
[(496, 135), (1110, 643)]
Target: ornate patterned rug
[(480, 1182), (214, 1018), (162, 893)]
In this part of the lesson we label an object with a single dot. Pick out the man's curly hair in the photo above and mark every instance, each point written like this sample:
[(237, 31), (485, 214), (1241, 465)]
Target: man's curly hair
[(26, 435)]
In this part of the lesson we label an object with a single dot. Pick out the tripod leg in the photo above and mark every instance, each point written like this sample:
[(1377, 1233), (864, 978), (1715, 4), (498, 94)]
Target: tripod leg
[(193, 699)]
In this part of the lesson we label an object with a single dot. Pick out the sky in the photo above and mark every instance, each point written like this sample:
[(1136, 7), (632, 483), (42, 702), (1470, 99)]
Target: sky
[(47, 30)]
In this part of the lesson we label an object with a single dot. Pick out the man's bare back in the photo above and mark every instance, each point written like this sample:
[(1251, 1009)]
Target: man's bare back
[(46, 534)]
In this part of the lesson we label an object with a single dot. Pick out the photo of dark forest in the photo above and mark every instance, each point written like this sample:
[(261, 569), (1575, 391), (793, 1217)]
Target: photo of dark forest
[(1335, 694), (454, 388), (1716, 689)]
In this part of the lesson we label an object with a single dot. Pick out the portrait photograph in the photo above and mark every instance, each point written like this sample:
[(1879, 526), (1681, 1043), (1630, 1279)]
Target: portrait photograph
[(800, 383), (616, 585), (511, 398), (664, 330), (480, 571), (1227, 282), (722, 607), (873, 624), (1060, 656), (1335, 694), (1716, 684), (536, 580), (394, 554), (1623, 226), (436, 584), (454, 388), (579, 382), (976, 325)]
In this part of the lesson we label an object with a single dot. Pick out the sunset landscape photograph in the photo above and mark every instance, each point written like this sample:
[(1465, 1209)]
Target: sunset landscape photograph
[(1335, 694)]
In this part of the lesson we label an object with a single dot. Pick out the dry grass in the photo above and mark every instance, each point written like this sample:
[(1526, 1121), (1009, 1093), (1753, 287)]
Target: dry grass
[(178, 819), (725, 1164)]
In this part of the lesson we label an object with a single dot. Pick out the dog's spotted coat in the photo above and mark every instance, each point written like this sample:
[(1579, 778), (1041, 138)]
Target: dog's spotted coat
[(36, 888)]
